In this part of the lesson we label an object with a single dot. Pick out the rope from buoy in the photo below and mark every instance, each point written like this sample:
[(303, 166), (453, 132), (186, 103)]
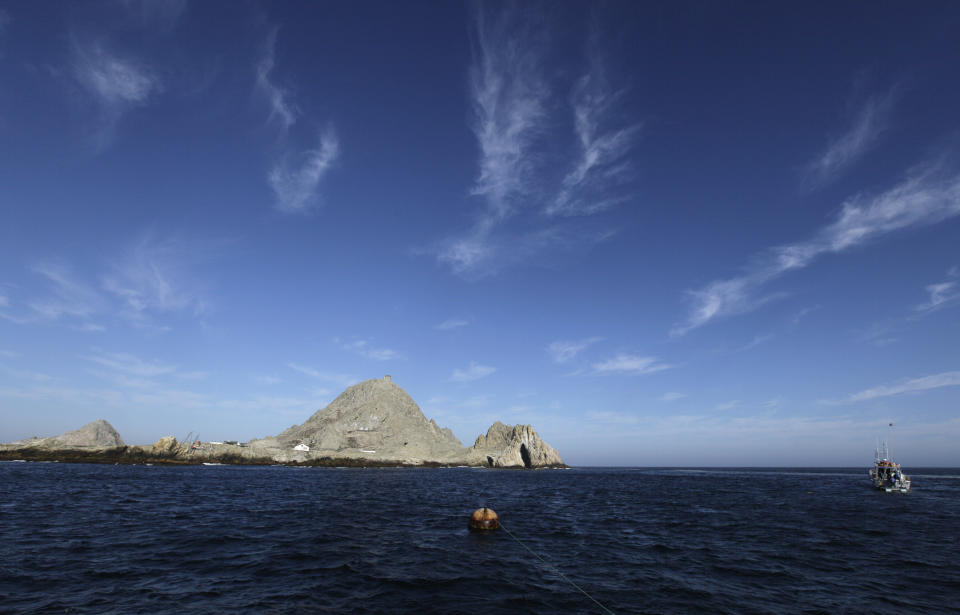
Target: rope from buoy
[(555, 569)]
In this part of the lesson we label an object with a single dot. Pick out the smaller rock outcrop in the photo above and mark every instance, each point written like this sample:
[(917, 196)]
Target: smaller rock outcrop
[(166, 445), (96, 435), (518, 446)]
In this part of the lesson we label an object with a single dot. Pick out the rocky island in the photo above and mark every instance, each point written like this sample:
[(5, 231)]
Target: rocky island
[(372, 424)]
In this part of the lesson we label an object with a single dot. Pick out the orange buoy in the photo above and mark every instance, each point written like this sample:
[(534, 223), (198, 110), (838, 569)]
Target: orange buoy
[(484, 520)]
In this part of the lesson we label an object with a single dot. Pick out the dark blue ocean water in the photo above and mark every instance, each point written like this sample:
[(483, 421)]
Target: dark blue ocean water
[(136, 539)]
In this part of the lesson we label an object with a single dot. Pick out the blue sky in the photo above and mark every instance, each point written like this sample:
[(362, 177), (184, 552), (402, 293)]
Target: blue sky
[(663, 234)]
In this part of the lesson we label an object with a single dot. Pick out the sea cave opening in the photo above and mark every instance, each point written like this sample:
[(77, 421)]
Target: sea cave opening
[(489, 461), (525, 455)]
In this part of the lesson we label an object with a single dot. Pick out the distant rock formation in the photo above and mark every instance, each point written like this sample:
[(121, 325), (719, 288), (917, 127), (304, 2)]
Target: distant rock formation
[(167, 445), (373, 423), (375, 419), (521, 446), (96, 435), (378, 421)]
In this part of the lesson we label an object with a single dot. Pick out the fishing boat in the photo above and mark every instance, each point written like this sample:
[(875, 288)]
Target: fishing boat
[(887, 474)]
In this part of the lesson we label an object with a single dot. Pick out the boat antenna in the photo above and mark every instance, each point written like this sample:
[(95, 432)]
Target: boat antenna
[(890, 441)]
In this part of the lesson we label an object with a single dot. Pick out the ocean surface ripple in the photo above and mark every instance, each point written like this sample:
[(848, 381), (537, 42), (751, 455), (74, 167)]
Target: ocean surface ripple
[(77, 538)]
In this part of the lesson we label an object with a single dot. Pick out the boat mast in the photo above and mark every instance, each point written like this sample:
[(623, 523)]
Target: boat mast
[(889, 442)]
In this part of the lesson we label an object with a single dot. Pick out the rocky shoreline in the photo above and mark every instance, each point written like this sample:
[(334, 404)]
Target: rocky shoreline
[(373, 424)]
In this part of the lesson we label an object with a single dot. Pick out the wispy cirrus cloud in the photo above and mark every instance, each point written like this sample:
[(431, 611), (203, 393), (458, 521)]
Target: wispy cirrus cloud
[(451, 323), (145, 277), (672, 396), (633, 364), (727, 405), (935, 381), (474, 371), (604, 141), (509, 95), (151, 277), (927, 196), (756, 341), (941, 295), (22, 374), (562, 351), (157, 275), (282, 108), (868, 123), (296, 176), (340, 379), (130, 364), (295, 180), (365, 349), (68, 295), (803, 313), (116, 83), (526, 186), (127, 370)]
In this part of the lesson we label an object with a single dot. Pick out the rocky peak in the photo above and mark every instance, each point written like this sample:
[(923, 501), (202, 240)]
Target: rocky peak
[(518, 446), (99, 434), (374, 415)]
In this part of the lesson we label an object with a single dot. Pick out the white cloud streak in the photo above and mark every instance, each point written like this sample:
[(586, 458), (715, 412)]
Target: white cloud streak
[(131, 365), (343, 380), (296, 186), (450, 324), (562, 351), (942, 295), (116, 83), (514, 112), (153, 276), (935, 381), (509, 96), (23, 374), (295, 178), (756, 341), (474, 371), (869, 123), (923, 199), (364, 349), (729, 405), (633, 364), (70, 296), (282, 109), (672, 396), (603, 142)]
